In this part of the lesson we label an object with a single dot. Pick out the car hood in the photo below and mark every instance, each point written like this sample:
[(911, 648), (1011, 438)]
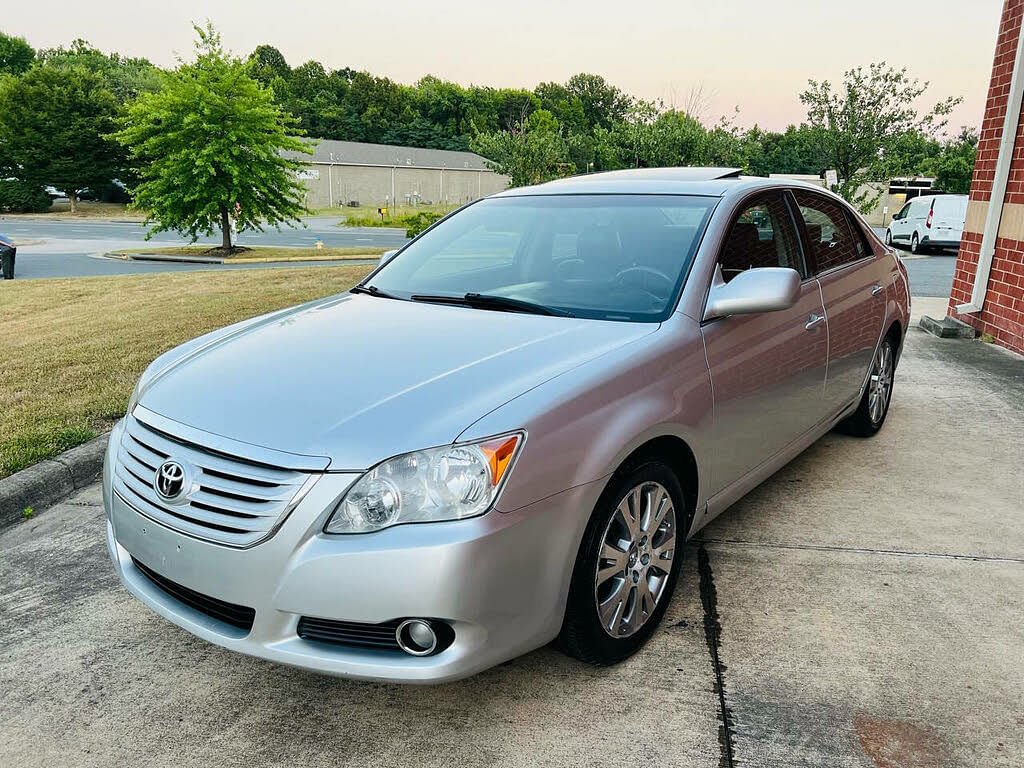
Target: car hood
[(357, 379)]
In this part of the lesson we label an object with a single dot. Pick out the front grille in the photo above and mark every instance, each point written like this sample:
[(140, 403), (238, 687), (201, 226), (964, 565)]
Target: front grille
[(350, 633), (232, 501), (235, 615)]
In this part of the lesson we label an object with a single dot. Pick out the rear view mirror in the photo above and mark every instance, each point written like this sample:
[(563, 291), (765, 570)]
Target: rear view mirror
[(387, 256), (764, 289)]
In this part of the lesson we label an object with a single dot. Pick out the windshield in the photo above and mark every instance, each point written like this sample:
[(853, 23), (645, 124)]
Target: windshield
[(612, 257)]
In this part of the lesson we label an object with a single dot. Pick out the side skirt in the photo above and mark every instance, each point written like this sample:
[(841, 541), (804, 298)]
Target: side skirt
[(728, 496)]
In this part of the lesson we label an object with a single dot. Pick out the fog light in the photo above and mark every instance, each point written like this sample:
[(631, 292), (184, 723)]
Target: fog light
[(417, 637)]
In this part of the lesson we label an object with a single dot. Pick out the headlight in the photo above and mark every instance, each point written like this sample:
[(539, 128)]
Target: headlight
[(448, 483)]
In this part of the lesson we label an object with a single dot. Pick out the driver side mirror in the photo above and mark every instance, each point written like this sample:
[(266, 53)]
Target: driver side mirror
[(387, 256), (762, 289)]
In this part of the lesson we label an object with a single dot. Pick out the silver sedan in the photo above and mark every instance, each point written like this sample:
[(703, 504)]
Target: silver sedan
[(503, 436)]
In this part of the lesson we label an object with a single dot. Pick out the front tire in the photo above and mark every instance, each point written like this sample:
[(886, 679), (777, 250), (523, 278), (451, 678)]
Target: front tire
[(874, 405), (627, 565)]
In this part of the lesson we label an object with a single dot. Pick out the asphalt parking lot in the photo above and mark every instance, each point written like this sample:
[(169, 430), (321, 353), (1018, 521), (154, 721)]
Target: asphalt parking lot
[(864, 607), (75, 248)]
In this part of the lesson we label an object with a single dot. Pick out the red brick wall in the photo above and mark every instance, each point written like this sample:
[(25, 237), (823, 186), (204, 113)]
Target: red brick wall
[(1003, 315)]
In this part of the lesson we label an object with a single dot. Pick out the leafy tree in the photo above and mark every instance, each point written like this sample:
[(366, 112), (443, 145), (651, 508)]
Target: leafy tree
[(906, 155), (565, 106), (867, 113), (54, 125), (602, 103), (726, 145), (526, 154), (209, 146), (630, 141), (953, 167), (798, 149), (269, 63), (16, 55), (22, 197), (125, 77)]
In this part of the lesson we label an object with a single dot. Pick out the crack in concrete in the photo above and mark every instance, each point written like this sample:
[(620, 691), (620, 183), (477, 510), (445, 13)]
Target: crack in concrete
[(860, 550), (712, 634)]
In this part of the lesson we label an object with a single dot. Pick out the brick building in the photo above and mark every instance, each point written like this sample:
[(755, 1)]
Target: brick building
[(988, 285)]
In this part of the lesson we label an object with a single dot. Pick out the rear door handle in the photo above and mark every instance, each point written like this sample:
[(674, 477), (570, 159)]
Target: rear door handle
[(876, 289), (814, 321)]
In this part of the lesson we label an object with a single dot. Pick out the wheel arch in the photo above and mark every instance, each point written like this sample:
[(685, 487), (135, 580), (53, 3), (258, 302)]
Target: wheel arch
[(680, 458)]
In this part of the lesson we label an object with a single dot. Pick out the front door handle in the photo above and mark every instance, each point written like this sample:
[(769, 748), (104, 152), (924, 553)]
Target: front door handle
[(876, 289), (814, 321)]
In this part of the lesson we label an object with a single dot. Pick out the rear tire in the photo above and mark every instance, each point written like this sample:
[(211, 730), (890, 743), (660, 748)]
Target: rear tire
[(874, 405), (625, 562), (915, 245), (888, 237)]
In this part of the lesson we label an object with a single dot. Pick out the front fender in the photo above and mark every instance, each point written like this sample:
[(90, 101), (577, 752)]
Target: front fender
[(583, 424)]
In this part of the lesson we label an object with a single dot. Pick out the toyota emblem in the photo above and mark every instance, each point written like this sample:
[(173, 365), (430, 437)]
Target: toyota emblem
[(170, 480)]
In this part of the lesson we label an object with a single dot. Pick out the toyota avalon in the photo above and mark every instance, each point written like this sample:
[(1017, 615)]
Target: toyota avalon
[(504, 434)]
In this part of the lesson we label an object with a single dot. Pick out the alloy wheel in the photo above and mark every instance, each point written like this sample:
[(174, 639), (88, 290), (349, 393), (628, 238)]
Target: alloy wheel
[(633, 565), (880, 386)]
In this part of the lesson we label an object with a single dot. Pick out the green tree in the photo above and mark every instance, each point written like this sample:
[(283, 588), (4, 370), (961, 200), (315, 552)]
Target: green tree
[(796, 150), (54, 127), (527, 154), (867, 113), (602, 103), (268, 64), (209, 145), (953, 167), (16, 55), (125, 77)]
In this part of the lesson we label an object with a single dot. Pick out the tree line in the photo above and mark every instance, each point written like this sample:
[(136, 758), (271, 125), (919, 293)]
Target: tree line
[(62, 109)]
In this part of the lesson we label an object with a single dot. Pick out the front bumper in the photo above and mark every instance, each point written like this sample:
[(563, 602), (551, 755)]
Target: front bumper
[(500, 580)]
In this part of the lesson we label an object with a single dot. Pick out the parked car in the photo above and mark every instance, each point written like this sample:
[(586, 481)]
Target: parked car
[(505, 433), (927, 222)]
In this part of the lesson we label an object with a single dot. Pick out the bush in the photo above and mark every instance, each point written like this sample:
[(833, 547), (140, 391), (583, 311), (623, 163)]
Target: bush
[(417, 223), (23, 197)]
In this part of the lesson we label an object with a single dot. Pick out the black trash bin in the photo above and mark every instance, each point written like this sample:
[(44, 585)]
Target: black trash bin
[(7, 251)]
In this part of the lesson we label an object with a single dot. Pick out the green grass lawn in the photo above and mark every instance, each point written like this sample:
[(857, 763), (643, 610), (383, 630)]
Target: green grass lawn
[(73, 349), (263, 252)]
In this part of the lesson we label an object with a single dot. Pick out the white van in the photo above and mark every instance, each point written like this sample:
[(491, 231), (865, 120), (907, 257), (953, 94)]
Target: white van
[(930, 221)]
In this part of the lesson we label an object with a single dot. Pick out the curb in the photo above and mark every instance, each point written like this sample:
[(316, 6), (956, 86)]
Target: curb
[(164, 257), (947, 328), (51, 480), (358, 257)]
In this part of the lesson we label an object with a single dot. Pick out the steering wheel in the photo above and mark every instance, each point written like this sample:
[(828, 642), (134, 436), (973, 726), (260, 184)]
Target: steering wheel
[(644, 274)]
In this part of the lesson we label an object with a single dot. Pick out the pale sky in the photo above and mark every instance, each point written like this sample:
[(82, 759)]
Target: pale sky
[(754, 55)]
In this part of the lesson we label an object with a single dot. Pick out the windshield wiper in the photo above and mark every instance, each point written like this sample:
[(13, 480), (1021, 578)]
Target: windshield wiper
[(487, 301), (371, 290)]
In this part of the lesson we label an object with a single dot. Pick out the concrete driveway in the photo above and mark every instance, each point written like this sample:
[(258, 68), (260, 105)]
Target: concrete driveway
[(864, 607)]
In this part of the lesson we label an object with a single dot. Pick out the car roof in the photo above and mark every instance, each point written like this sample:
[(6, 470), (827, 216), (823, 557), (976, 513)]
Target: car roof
[(715, 182), (938, 197)]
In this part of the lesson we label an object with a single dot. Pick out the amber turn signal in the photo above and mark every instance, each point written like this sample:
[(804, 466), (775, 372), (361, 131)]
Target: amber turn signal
[(499, 453)]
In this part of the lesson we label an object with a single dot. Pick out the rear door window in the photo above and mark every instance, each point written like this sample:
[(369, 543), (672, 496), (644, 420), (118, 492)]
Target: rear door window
[(831, 239)]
